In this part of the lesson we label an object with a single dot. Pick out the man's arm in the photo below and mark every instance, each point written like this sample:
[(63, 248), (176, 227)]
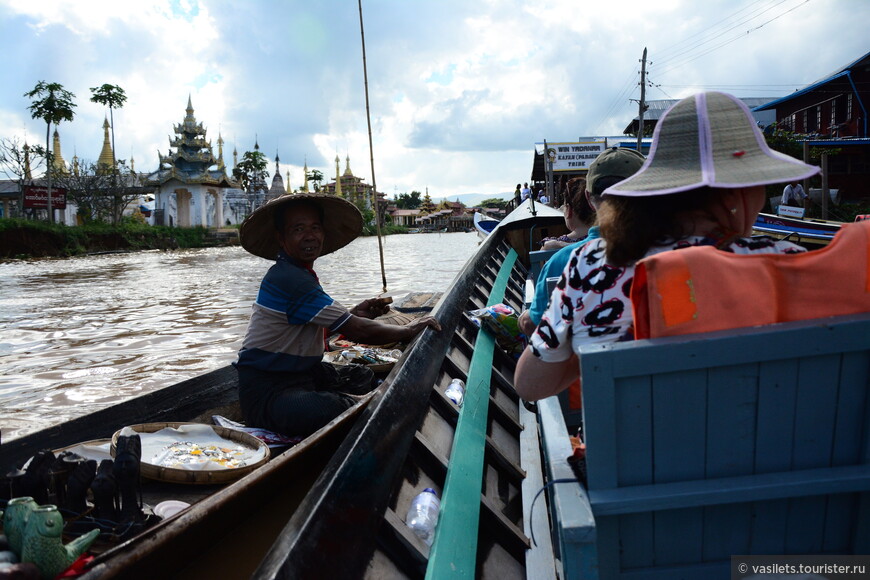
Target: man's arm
[(366, 331)]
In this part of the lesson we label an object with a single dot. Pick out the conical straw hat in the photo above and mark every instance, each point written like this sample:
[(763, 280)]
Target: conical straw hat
[(342, 223)]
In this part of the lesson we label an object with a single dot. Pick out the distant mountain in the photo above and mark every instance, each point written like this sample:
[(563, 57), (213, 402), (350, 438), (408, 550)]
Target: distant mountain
[(473, 199)]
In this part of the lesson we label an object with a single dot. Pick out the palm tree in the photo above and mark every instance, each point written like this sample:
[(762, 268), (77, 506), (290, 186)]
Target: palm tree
[(53, 104), (111, 96)]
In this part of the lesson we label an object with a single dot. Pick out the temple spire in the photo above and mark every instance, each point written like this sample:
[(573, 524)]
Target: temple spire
[(337, 175), (220, 143), (347, 170), (27, 174), (57, 162), (105, 162), (305, 173), (289, 189)]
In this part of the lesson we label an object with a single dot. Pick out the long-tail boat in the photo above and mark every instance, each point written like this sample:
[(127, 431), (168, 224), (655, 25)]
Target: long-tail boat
[(810, 233)]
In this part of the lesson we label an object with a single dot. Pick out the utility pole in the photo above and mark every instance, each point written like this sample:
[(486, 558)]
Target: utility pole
[(642, 103)]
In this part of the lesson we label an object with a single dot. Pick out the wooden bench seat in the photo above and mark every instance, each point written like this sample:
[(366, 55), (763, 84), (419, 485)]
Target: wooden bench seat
[(746, 441)]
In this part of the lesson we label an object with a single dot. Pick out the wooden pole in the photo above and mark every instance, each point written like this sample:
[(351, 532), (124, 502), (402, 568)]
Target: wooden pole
[(642, 103), (372, 152), (826, 192)]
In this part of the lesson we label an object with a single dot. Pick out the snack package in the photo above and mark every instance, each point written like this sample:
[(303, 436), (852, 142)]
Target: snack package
[(502, 322)]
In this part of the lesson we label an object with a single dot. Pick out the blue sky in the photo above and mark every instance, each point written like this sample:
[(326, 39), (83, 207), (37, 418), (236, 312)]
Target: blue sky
[(459, 91)]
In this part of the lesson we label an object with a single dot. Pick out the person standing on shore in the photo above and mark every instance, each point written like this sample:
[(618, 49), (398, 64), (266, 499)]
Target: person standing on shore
[(525, 192)]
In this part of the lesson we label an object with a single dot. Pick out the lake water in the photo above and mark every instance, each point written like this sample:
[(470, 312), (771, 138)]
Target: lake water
[(82, 333)]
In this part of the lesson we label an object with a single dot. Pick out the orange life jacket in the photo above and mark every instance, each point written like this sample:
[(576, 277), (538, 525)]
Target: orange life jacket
[(701, 289)]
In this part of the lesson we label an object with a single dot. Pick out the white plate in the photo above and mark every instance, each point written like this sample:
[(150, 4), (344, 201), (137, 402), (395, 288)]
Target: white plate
[(169, 508)]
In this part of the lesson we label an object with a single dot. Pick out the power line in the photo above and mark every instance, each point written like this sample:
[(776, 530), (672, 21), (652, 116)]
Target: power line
[(619, 101), (704, 33), (676, 62)]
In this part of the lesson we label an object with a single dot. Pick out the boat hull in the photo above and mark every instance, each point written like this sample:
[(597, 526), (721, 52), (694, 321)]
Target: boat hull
[(411, 436), (811, 234)]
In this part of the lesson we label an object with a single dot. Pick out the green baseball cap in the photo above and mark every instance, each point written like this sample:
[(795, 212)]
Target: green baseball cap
[(613, 162)]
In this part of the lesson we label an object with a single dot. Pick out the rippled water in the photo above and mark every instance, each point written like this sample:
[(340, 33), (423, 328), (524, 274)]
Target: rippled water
[(82, 333)]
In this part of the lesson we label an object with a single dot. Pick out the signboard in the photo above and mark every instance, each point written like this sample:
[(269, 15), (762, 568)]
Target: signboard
[(790, 211), (37, 197), (575, 156)]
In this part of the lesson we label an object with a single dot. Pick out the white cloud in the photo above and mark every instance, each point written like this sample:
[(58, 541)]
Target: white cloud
[(459, 92)]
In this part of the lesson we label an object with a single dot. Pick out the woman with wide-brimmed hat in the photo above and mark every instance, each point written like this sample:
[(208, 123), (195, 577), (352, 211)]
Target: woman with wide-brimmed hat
[(702, 184), (283, 383)]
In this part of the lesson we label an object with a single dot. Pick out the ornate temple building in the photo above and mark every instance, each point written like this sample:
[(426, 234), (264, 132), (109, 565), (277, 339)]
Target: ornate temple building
[(351, 187), (190, 182)]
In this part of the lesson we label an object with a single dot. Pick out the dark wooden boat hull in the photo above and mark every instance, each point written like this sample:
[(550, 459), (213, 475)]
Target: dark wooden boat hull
[(241, 519), (351, 525)]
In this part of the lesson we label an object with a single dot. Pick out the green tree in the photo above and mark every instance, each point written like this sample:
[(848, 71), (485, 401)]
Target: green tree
[(251, 171), (111, 96), (316, 177), (494, 202), (53, 104), (408, 200)]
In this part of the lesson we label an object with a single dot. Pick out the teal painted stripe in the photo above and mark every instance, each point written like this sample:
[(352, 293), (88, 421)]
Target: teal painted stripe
[(454, 552)]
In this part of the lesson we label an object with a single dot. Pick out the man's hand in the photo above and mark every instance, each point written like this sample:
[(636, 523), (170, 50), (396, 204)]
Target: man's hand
[(417, 325), (372, 308)]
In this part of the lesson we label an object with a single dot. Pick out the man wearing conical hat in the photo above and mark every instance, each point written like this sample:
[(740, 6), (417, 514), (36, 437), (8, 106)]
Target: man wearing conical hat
[(283, 384)]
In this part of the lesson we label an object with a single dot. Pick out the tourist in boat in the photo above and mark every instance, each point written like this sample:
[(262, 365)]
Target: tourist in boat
[(582, 198), (284, 385), (703, 184)]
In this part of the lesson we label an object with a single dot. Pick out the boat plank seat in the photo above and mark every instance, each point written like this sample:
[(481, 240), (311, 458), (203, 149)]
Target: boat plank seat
[(716, 438)]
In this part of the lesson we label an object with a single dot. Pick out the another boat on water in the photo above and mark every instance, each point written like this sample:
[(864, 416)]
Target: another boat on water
[(484, 224), (810, 233)]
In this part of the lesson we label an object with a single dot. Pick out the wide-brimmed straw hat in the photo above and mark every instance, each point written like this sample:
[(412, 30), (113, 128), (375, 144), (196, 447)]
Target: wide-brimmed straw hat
[(709, 139), (342, 223)]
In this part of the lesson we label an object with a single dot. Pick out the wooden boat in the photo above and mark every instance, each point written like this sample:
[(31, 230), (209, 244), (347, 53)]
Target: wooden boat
[(810, 233), (482, 458), (250, 511), (483, 224)]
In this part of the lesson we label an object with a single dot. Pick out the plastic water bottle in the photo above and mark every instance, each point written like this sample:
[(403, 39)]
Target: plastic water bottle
[(456, 391), (423, 515)]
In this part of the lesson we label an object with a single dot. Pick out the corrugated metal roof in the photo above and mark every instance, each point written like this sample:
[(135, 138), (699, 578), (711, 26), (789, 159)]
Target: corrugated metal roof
[(814, 85)]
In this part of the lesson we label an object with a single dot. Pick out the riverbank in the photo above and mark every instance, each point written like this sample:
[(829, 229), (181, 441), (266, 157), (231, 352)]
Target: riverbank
[(25, 239)]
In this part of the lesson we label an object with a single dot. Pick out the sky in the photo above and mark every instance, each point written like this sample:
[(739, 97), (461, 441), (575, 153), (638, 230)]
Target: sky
[(458, 92)]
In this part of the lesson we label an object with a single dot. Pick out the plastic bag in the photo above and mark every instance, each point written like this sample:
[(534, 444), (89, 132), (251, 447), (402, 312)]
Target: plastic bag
[(502, 322)]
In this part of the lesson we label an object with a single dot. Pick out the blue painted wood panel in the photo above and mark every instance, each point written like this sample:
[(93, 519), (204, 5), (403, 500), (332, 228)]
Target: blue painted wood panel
[(746, 441)]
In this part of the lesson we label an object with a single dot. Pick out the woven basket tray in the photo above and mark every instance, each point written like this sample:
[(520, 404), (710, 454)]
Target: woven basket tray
[(204, 476)]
